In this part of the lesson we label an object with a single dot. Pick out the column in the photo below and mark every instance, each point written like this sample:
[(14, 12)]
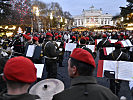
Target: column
[(77, 23)]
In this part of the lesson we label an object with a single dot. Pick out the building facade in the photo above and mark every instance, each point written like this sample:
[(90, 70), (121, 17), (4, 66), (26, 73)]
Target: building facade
[(93, 18)]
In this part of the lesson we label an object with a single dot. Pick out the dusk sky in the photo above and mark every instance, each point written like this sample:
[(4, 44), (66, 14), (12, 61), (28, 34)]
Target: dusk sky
[(75, 7)]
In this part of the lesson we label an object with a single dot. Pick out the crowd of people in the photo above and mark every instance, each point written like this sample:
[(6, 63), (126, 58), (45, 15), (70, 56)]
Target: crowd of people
[(48, 48)]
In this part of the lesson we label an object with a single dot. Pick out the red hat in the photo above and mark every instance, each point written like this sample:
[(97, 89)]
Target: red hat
[(122, 34), (35, 38), (59, 36), (119, 42), (49, 34), (83, 55), (20, 69), (125, 37), (56, 33), (28, 37), (73, 37), (28, 33), (91, 33), (24, 35), (56, 37), (83, 38), (104, 36), (87, 38)]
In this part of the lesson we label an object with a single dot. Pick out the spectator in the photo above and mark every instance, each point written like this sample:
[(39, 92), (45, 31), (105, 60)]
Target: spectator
[(81, 65), (19, 73)]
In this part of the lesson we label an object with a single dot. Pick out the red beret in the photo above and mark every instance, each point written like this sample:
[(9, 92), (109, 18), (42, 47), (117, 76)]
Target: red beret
[(24, 35), (73, 37), (28, 37), (104, 36), (121, 34), (35, 38), (20, 69), (83, 38), (119, 42), (59, 36), (125, 37), (87, 38), (56, 33), (83, 55), (56, 37), (91, 33), (49, 34), (28, 33)]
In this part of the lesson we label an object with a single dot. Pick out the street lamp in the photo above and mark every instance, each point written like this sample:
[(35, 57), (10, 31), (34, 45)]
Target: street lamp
[(51, 18), (36, 13)]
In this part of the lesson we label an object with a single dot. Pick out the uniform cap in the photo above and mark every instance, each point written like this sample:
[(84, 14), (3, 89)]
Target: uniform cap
[(118, 43), (49, 34), (56, 37), (73, 37), (35, 38), (24, 35), (125, 37), (104, 36), (56, 33), (28, 33), (83, 55), (87, 38), (122, 34), (83, 38), (20, 69), (28, 37), (59, 36)]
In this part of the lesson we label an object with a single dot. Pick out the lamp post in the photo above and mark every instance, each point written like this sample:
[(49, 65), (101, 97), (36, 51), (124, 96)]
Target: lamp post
[(51, 18), (36, 13)]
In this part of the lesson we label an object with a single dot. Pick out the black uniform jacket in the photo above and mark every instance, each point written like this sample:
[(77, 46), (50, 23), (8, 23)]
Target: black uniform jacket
[(85, 88)]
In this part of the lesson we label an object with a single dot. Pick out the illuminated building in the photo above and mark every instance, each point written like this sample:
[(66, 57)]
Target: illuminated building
[(93, 18)]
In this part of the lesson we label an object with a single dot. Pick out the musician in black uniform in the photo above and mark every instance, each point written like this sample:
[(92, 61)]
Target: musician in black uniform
[(116, 55), (18, 46), (103, 43), (73, 39), (50, 55), (61, 49)]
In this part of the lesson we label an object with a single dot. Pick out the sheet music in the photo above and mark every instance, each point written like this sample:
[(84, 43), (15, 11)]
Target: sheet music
[(39, 68), (128, 42), (30, 51), (125, 71), (109, 50), (113, 40), (124, 43), (70, 46), (92, 47), (58, 43), (98, 40), (109, 65)]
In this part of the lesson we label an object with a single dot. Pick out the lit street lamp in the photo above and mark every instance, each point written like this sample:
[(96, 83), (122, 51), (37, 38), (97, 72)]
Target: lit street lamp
[(36, 13), (51, 18)]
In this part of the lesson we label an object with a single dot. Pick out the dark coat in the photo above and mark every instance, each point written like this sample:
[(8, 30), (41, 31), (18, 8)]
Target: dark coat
[(85, 88), (25, 96), (50, 49)]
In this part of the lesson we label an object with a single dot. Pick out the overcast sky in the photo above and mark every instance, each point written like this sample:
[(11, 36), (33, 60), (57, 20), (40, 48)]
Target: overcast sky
[(75, 7)]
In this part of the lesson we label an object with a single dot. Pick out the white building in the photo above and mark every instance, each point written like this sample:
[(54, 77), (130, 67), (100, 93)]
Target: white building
[(93, 17)]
